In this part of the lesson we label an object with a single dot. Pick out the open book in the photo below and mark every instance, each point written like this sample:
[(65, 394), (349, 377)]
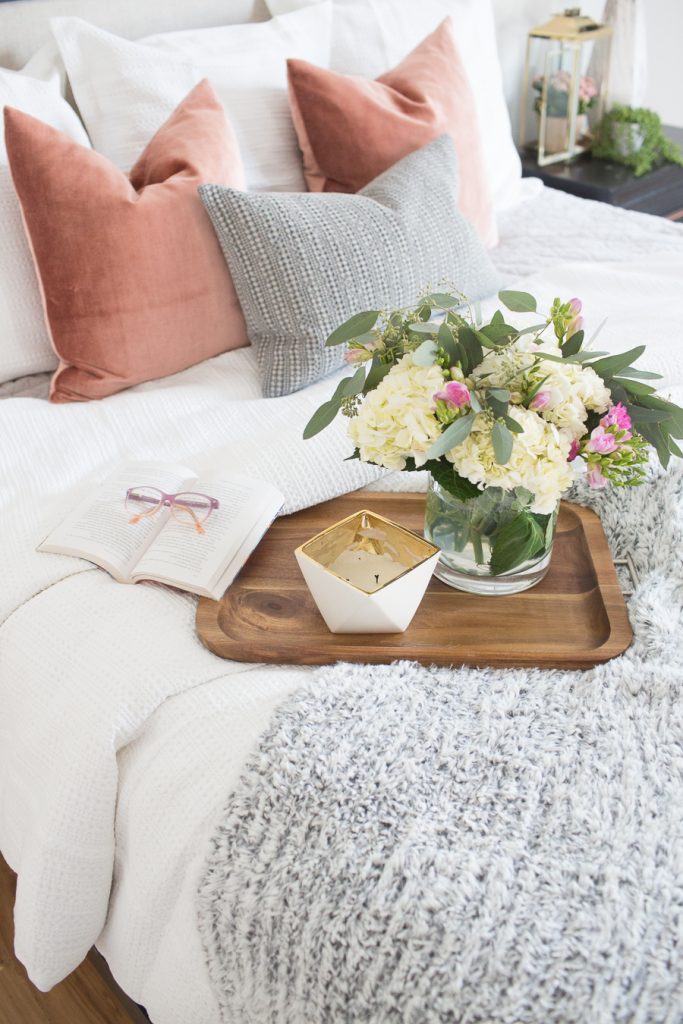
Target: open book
[(123, 529)]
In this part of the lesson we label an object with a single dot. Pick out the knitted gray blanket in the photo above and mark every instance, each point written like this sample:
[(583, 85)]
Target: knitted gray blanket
[(416, 846)]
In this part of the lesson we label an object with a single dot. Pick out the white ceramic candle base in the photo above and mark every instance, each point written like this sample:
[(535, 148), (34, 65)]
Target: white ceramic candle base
[(340, 566)]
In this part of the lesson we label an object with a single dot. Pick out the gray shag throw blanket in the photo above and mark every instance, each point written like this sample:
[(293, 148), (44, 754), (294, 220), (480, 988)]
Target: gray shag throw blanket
[(417, 846)]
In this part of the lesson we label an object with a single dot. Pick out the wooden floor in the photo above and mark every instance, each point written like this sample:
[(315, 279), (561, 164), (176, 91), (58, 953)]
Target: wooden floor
[(84, 998)]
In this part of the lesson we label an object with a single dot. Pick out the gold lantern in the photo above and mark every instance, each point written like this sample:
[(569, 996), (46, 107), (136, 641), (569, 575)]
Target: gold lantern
[(565, 85)]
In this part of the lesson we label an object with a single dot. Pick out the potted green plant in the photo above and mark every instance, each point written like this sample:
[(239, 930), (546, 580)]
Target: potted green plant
[(634, 136)]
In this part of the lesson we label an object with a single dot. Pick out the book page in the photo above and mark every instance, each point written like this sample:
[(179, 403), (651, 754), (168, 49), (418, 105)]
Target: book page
[(195, 561), (99, 529)]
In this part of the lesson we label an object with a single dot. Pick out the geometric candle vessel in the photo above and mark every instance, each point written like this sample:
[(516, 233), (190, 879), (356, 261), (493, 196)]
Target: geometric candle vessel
[(564, 91), (367, 574)]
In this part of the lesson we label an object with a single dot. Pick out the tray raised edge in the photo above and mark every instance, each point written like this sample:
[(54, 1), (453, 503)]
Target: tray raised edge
[(358, 648)]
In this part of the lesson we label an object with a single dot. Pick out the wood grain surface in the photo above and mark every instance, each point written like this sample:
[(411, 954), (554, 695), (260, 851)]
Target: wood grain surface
[(576, 617), (85, 997)]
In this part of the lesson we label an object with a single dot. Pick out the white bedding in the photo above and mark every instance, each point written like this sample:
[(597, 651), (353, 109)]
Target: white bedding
[(118, 731)]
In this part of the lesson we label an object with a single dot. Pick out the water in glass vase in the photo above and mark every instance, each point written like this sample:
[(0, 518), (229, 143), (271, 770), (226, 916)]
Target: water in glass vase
[(490, 543)]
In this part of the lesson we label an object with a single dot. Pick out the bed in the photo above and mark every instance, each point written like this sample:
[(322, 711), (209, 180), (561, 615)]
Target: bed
[(121, 737)]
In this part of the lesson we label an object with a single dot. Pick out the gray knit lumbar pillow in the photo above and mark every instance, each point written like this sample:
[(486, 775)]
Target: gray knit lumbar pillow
[(304, 263)]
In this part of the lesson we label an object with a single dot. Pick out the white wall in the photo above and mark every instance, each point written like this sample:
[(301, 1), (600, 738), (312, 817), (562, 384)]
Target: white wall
[(664, 27), (664, 92)]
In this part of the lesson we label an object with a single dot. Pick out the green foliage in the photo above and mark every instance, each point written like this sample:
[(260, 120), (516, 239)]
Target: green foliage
[(518, 302), (441, 330), (633, 136), (514, 543), (502, 442), (452, 436), (357, 325)]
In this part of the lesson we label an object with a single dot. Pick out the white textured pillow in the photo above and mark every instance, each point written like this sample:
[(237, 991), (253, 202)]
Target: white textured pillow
[(371, 36), (24, 341), (125, 90)]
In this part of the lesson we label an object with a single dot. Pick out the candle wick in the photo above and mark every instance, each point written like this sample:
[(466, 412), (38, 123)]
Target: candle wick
[(376, 577)]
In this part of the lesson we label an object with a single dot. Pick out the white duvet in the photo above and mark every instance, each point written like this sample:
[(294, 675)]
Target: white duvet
[(120, 735)]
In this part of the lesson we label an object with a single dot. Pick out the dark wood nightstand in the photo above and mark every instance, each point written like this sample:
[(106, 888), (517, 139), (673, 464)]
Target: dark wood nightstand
[(660, 192)]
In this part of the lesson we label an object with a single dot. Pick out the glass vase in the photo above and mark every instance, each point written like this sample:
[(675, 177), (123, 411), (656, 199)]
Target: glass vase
[(466, 533)]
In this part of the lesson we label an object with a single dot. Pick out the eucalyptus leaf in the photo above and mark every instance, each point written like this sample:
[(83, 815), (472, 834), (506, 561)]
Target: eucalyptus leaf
[(424, 328), (652, 432), (425, 354), (634, 387), (611, 365), (501, 394), (354, 385), (472, 348), (640, 374), (449, 344), (377, 372), (363, 339), (513, 425), (498, 408), (640, 414), (518, 302), (536, 329), (573, 345), (358, 324), (444, 300), (321, 418), (425, 311), (453, 435), (502, 443)]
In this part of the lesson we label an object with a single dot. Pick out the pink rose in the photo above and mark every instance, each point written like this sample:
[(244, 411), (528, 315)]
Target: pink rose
[(595, 478), (540, 401), (574, 449), (617, 416), (601, 442), (455, 393)]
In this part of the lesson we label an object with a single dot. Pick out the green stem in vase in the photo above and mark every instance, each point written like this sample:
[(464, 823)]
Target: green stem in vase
[(475, 539)]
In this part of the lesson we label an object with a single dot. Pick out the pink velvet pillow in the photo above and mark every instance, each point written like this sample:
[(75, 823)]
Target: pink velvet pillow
[(351, 129), (133, 279)]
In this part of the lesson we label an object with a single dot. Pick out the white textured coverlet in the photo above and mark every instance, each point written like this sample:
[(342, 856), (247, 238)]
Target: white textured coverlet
[(89, 668)]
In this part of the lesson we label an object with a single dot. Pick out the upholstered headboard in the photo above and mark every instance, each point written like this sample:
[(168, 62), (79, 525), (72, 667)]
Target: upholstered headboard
[(24, 24)]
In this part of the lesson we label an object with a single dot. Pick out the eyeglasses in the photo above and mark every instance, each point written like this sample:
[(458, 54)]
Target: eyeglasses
[(188, 507)]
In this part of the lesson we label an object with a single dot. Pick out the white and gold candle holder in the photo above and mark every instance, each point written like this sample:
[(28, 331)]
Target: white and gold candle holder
[(367, 574)]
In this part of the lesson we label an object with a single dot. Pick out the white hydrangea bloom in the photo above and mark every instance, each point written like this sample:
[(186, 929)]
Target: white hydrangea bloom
[(572, 390), (397, 419), (538, 461)]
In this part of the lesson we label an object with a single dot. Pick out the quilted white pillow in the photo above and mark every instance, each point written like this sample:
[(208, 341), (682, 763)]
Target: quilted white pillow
[(371, 36), (125, 90), (24, 342)]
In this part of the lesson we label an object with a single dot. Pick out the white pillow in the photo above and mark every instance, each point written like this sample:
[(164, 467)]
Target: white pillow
[(24, 341), (371, 36), (125, 90)]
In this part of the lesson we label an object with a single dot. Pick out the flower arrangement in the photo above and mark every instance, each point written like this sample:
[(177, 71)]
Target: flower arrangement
[(499, 410), (559, 87)]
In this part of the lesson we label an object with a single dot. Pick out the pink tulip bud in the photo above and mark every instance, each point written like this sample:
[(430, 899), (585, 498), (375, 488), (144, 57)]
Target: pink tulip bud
[(601, 442), (595, 478), (455, 393), (573, 451), (575, 306), (617, 416), (574, 326), (540, 401)]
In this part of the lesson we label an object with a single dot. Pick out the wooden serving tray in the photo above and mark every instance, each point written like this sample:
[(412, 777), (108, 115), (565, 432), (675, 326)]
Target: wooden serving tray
[(576, 617)]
